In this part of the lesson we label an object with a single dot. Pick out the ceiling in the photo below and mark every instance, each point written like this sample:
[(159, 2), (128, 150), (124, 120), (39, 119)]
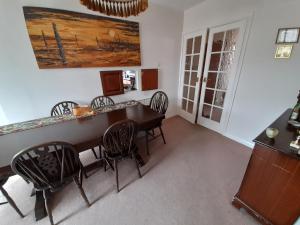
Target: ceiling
[(180, 5)]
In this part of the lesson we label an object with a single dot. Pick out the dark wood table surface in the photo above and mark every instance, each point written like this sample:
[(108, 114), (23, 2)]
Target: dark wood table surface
[(282, 142), (83, 133)]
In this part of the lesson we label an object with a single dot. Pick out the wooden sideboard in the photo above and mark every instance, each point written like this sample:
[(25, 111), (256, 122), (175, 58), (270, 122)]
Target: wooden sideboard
[(270, 190)]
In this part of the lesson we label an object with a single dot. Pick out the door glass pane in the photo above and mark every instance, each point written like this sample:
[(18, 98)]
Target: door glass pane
[(188, 63), (184, 103), (211, 80), (219, 98), (222, 56), (231, 39), (227, 61), (217, 42), (209, 95), (190, 107), (206, 111), (214, 62), (216, 114), (197, 45), (194, 79), (189, 47), (195, 62), (192, 93), (186, 77), (185, 91), (223, 80)]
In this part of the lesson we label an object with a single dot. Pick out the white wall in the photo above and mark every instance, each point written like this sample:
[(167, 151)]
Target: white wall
[(267, 87), (27, 92)]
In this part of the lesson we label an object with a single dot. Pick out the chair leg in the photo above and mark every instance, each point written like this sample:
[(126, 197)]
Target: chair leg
[(85, 175), (162, 134), (100, 151), (147, 143), (110, 165), (117, 174), (94, 152), (10, 201), (107, 162), (137, 165), (48, 209), (84, 171), (79, 185)]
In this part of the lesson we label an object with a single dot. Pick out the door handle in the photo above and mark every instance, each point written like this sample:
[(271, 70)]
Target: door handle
[(204, 79)]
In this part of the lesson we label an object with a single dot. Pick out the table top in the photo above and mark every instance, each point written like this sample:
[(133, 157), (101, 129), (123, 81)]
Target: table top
[(80, 133), (287, 134), (42, 122)]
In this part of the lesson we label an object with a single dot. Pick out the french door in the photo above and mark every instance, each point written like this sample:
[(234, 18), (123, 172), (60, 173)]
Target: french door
[(220, 75), (191, 69)]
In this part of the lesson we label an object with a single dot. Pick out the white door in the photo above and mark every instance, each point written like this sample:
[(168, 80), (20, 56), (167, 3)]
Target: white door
[(191, 69), (220, 75)]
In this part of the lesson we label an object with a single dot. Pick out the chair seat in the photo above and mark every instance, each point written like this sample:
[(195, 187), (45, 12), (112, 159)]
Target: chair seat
[(54, 180), (57, 185), (120, 156)]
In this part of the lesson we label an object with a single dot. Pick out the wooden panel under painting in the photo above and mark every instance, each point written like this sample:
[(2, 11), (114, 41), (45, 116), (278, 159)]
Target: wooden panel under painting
[(149, 79), (65, 39)]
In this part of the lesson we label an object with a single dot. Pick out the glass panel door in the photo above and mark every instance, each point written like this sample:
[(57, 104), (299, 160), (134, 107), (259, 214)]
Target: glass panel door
[(191, 69), (223, 52)]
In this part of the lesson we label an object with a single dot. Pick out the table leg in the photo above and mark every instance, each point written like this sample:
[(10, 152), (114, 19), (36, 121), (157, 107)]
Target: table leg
[(39, 209)]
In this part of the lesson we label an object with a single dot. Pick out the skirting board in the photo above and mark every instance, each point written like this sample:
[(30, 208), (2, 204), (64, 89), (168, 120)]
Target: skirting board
[(239, 140)]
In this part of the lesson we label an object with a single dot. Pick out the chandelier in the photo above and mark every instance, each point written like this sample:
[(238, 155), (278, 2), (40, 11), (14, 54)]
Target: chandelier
[(120, 8)]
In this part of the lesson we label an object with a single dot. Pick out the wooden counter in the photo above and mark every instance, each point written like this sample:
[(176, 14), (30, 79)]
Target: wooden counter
[(270, 190)]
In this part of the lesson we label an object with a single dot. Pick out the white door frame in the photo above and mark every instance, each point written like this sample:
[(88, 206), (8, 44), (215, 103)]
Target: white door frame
[(230, 94), (185, 37)]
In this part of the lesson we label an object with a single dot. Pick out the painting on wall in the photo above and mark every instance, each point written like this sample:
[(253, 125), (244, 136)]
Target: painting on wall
[(65, 39)]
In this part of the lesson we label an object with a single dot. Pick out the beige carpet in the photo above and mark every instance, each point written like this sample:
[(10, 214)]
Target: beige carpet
[(189, 181)]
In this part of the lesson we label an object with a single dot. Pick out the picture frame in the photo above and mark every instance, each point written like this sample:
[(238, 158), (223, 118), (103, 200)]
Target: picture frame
[(283, 51), (68, 39), (288, 35)]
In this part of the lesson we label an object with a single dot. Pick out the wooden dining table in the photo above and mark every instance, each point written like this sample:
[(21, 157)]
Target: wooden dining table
[(84, 133)]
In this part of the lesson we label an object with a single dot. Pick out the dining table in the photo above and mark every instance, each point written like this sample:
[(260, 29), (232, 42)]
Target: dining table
[(83, 132)]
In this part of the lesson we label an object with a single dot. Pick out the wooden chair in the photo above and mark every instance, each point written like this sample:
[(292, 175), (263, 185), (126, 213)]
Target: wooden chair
[(96, 104), (63, 108), (119, 143), (50, 167), (158, 103), (8, 198), (101, 101)]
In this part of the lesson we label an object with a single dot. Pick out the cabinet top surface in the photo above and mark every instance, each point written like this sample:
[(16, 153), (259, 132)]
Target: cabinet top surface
[(287, 133)]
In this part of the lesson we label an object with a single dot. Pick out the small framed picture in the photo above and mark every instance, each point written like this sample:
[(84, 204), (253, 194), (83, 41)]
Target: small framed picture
[(287, 36), (283, 51)]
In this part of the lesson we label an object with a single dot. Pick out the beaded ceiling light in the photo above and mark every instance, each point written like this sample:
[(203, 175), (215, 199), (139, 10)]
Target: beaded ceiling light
[(120, 8)]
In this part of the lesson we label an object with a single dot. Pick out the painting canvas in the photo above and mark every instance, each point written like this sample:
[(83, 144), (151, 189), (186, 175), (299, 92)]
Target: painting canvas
[(65, 39)]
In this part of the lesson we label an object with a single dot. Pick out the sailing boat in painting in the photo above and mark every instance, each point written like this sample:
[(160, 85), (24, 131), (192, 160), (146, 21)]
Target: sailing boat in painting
[(64, 39)]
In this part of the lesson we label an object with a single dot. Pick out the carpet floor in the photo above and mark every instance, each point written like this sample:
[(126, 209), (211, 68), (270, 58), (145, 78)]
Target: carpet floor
[(189, 181)]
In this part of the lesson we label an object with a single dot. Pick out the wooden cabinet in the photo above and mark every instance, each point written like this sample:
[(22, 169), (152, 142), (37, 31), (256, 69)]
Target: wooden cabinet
[(112, 82), (149, 79), (270, 189)]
